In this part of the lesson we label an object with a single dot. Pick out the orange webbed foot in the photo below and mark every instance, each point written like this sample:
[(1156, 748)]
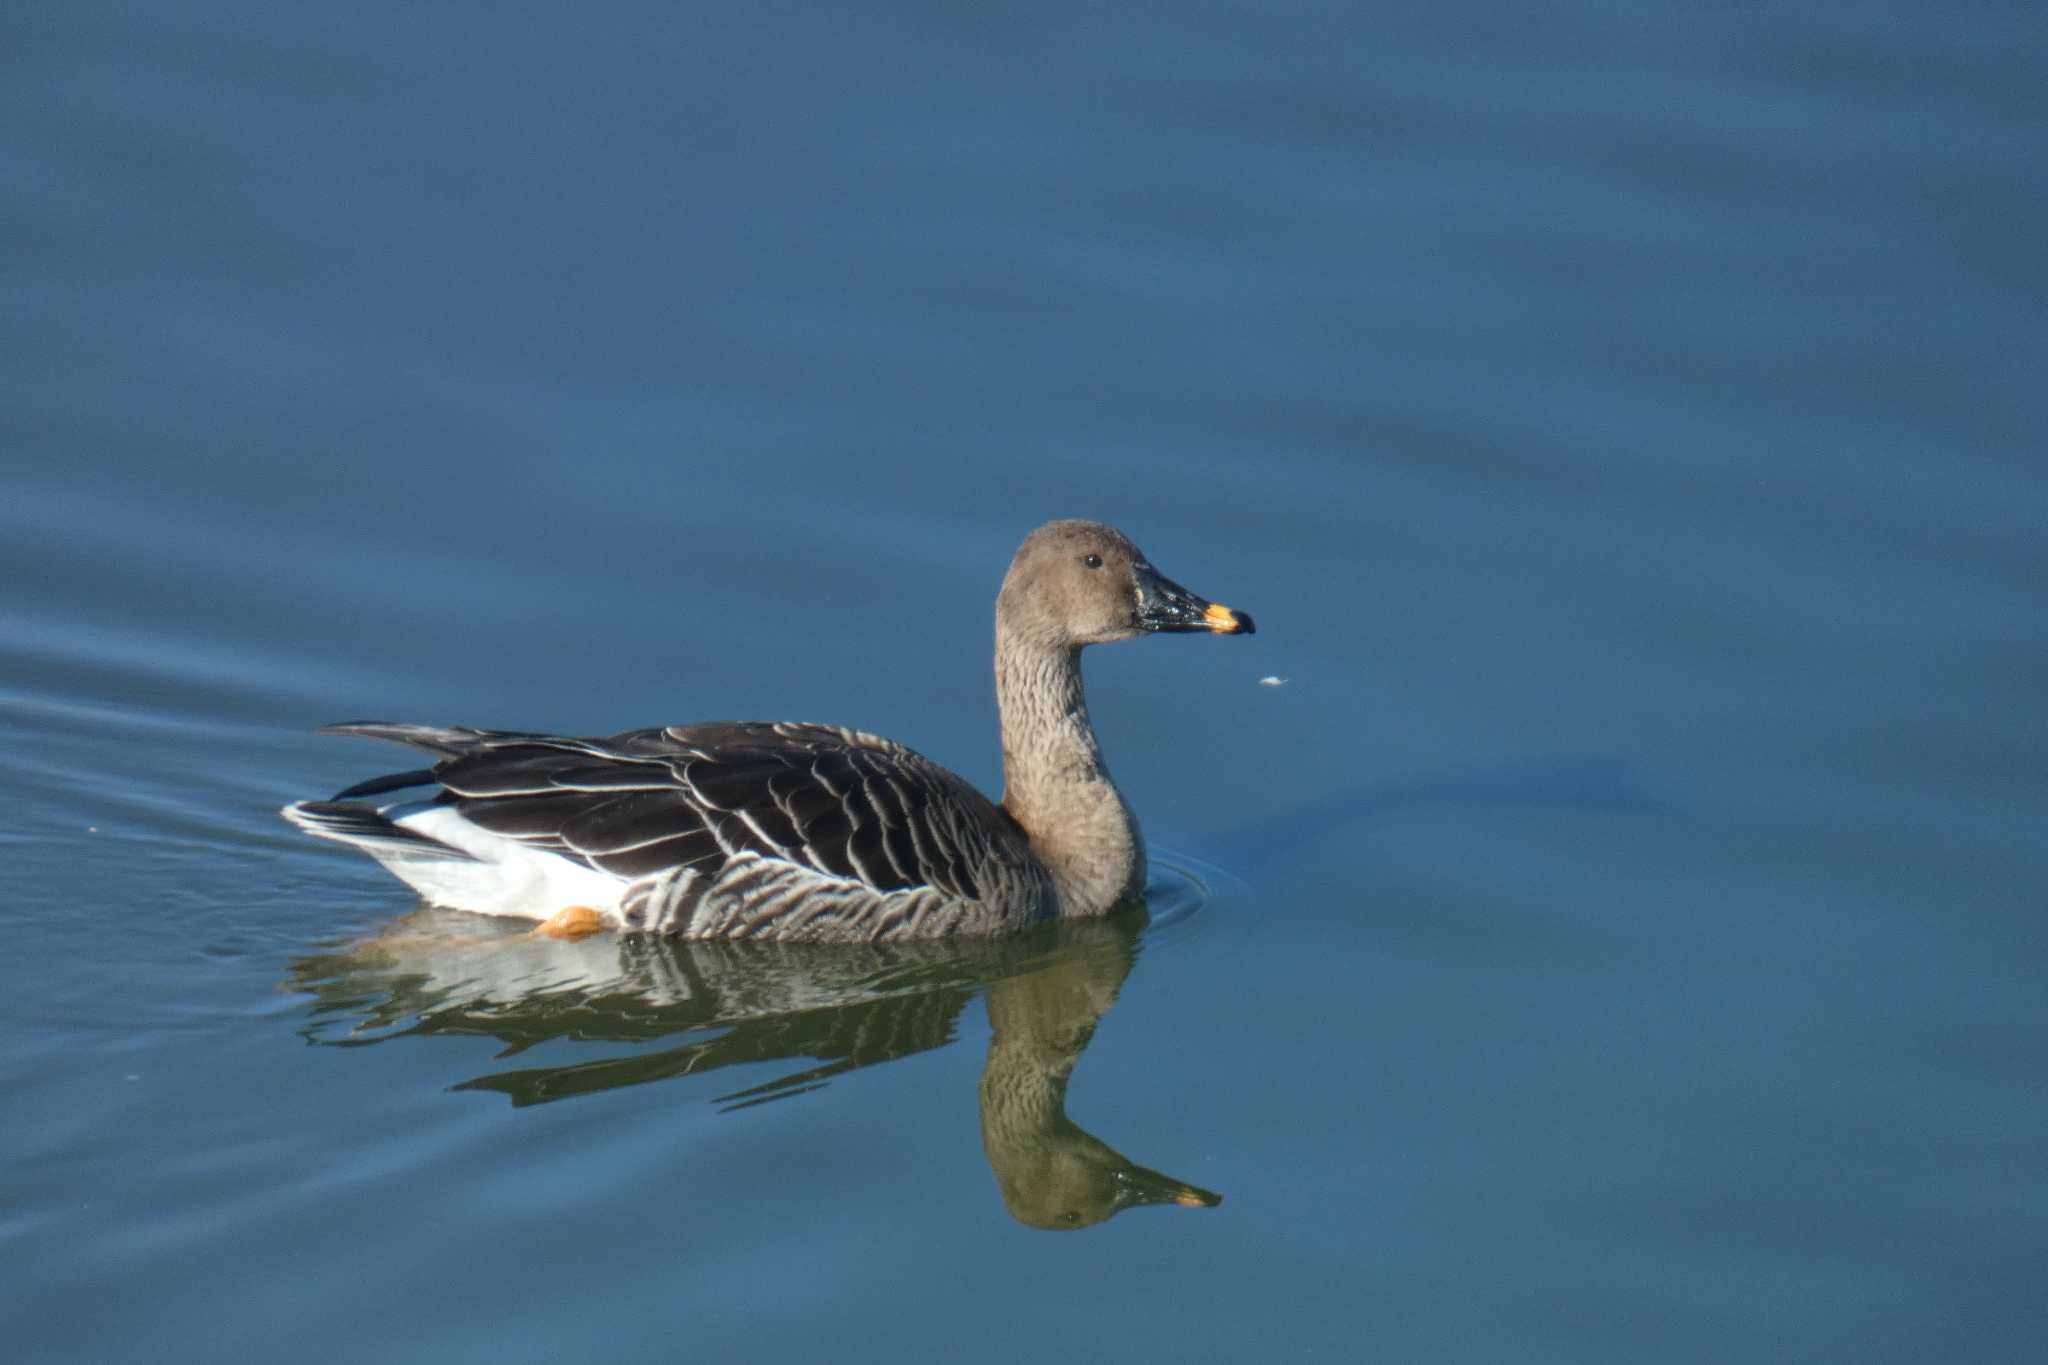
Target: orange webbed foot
[(571, 923)]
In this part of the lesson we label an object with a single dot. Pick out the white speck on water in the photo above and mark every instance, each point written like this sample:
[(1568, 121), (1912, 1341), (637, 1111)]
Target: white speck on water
[(1272, 680)]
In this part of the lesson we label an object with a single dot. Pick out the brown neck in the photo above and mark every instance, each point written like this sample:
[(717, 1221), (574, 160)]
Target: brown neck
[(1056, 784)]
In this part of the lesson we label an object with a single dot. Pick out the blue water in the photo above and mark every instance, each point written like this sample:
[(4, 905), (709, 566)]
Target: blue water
[(1619, 936)]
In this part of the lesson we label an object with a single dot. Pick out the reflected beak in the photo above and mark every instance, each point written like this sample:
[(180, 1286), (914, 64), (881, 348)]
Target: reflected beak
[(1164, 605), (1141, 1185)]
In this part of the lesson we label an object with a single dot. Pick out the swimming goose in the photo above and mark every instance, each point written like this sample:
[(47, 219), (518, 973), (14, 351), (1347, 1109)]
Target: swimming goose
[(756, 829)]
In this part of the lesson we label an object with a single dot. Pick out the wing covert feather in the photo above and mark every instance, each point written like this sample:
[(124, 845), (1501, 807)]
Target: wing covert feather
[(648, 802)]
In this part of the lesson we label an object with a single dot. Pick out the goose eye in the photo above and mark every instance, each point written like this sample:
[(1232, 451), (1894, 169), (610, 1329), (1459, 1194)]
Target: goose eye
[(1092, 561)]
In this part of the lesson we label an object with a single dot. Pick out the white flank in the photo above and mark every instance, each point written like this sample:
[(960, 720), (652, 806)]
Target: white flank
[(507, 878)]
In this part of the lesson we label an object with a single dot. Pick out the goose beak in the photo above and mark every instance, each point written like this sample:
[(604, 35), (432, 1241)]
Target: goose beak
[(1164, 605)]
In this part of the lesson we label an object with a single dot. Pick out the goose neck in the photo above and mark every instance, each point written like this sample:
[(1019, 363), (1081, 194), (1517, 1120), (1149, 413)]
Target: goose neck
[(1056, 783)]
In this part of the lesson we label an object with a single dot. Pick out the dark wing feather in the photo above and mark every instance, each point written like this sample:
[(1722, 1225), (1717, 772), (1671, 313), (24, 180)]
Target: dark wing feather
[(540, 817), (390, 782), (681, 846), (648, 801)]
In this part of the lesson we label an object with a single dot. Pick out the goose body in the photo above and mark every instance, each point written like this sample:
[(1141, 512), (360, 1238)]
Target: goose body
[(745, 829)]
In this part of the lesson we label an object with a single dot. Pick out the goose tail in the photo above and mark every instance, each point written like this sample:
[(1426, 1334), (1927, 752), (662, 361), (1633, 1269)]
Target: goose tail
[(363, 826)]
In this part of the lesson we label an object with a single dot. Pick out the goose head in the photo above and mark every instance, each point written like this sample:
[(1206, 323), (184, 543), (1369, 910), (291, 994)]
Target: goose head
[(1076, 583)]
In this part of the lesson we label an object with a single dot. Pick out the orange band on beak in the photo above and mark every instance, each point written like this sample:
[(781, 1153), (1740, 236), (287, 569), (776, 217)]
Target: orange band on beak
[(1222, 619)]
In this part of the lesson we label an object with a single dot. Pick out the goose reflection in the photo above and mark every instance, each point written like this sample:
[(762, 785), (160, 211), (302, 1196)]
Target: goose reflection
[(835, 1008), (1053, 1174)]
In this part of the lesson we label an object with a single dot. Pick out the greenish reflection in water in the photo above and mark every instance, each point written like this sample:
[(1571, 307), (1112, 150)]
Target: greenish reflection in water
[(838, 1006)]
